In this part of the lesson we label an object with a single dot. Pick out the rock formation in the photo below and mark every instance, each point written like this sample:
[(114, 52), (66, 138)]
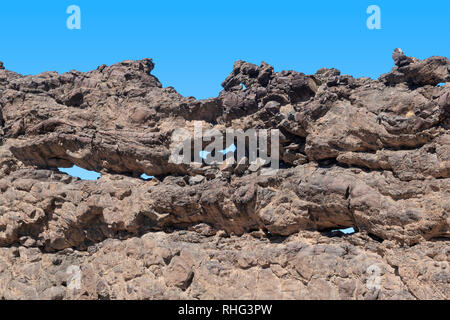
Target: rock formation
[(369, 154)]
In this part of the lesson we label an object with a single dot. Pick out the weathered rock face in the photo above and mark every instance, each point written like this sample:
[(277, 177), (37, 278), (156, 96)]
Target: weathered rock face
[(369, 154)]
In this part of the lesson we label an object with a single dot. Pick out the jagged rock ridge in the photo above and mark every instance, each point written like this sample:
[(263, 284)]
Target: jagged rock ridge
[(369, 154)]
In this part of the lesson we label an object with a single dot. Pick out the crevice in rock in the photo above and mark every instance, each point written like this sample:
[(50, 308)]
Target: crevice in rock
[(375, 238), (188, 282), (347, 193), (439, 239), (340, 232), (397, 273), (276, 238), (329, 163)]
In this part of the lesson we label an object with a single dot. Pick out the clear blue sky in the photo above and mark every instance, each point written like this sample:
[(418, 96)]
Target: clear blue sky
[(194, 43)]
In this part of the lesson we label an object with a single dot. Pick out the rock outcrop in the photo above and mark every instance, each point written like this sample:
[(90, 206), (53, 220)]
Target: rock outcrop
[(373, 155)]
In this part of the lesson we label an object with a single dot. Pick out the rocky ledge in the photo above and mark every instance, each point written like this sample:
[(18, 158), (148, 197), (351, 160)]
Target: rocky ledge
[(373, 155)]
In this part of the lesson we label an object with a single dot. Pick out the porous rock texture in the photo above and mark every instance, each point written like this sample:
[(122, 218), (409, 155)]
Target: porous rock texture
[(369, 154)]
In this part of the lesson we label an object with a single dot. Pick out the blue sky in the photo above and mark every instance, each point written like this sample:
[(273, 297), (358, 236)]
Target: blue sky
[(194, 43), (81, 173)]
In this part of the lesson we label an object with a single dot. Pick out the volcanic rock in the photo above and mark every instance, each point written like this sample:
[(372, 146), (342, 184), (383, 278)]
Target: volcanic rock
[(372, 155)]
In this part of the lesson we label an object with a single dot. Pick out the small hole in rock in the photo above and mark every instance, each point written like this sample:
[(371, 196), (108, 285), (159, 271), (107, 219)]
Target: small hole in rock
[(81, 173), (376, 238), (146, 177), (231, 149), (350, 230), (203, 154)]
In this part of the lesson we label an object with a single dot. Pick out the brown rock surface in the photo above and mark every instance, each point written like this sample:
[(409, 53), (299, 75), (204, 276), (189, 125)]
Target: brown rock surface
[(369, 154)]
